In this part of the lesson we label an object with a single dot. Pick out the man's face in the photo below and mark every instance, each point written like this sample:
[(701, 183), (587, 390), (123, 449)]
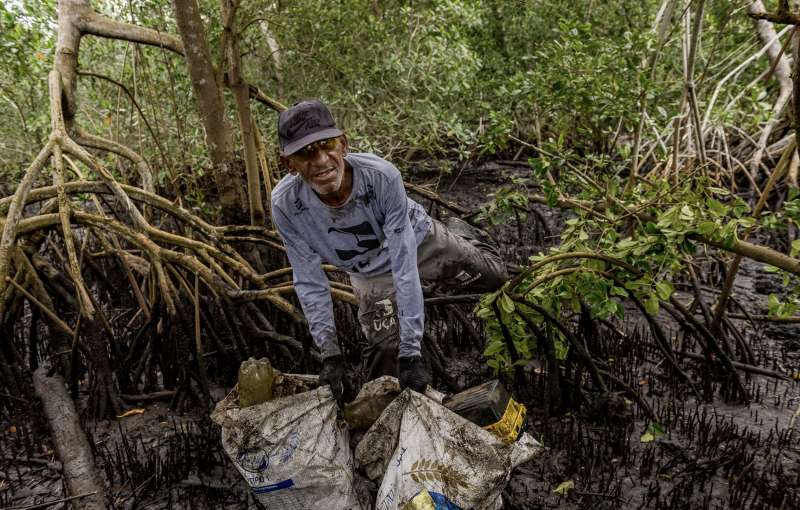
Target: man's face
[(321, 164)]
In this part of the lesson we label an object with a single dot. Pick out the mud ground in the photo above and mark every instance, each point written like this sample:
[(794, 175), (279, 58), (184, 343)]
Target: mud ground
[(712, 454)]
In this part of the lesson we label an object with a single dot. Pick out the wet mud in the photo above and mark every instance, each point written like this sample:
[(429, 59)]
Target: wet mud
[(706, 451)]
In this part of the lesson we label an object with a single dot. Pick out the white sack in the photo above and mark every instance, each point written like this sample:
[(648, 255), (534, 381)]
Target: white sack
[(291, 450), (431, 455)]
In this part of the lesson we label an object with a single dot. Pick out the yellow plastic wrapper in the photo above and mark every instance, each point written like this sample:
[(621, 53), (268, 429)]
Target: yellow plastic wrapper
[(422, 501), (510, 425)]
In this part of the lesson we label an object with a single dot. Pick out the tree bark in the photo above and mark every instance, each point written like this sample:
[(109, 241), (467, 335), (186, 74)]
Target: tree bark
[(783, 73), (211, 107), (275, 53), (241, 92), (70, 441)]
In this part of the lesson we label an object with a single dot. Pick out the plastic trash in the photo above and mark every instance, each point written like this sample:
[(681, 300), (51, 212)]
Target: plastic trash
[(255, 382), (429, 457), (490, 406), (291, 450), (370, 402)]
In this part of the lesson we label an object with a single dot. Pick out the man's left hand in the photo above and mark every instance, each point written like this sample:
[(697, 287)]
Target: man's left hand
[(413, 374)]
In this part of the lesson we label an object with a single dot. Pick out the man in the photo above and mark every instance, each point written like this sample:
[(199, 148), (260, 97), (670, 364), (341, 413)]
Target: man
[(351, 210)]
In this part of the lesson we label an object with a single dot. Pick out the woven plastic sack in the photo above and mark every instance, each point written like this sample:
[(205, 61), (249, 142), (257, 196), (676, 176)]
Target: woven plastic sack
[(431, 458), (291, 450)]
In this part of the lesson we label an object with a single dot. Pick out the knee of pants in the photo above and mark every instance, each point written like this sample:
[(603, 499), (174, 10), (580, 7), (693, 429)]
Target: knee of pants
[(494, 277), (379, 321)]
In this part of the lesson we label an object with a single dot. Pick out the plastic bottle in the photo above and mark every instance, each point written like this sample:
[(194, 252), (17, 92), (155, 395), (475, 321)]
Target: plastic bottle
[(255, 382)]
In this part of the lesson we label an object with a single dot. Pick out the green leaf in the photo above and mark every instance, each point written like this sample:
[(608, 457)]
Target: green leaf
[(562, 349), (493, 348), (651, 305), (748, 221), (717, 207), (773, 305), (653, 431), (619, 291), (707, 228), (686, 213), (506, 304), (564, 488), (664, 290)]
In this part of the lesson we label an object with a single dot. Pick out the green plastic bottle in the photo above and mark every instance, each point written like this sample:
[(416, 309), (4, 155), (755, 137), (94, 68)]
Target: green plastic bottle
[(255, 382)]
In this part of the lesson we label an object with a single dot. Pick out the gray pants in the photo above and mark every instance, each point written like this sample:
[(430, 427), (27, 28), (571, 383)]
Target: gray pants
[(442, 255)]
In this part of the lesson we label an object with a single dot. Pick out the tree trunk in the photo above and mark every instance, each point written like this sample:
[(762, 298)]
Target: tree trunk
[(275, 53), (70, 441), (211, 107), (105, 401), (241, 92), (779, 60)]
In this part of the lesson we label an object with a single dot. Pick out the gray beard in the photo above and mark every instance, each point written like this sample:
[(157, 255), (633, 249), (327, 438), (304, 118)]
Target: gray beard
[(321, 190)]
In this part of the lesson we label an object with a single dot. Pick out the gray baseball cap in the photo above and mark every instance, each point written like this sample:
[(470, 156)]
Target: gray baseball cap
[(304, 123)]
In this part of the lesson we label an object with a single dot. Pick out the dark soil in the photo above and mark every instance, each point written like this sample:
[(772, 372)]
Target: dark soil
[(712, 453)]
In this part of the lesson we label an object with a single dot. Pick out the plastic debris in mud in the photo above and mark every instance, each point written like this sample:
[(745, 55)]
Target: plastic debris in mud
[(255, 382), (487, 405), (490, 406)]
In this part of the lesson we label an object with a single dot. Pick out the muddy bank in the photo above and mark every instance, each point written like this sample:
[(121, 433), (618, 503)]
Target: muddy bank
[(704, 453)]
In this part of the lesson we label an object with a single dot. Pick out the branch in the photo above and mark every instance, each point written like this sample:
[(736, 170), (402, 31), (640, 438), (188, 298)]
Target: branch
[(97, 142), (17, 205), (101, 26), (784, 18), (264, 99), (151, 199), (430, 195), (47, 311), (87, 139)]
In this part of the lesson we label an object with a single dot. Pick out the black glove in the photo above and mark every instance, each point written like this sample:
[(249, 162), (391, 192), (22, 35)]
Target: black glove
[(413, 374), (332, 373)]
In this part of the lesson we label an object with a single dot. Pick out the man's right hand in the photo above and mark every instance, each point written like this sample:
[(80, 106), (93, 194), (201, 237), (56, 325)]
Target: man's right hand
[(332, 373)]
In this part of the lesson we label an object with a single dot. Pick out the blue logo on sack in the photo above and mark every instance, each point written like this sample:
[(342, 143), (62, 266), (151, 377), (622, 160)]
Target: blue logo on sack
[(274, 487), (254, 460)]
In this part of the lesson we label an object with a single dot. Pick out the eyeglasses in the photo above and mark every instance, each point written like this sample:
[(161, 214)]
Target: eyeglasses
[(308, 152)]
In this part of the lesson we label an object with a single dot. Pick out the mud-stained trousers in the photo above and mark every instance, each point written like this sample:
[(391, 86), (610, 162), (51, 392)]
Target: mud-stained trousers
[(442, 255)]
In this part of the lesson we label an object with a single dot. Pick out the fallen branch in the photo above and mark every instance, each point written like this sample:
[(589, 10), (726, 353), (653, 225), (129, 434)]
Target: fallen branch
[(149, 397), (70, 441), (744, 367), (430, 195)]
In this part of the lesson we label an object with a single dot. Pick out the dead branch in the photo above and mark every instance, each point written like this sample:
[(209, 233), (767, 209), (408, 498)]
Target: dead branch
[(70, 441)]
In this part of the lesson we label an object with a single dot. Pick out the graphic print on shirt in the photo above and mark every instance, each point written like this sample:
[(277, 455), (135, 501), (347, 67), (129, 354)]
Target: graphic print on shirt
[(368, 196), (363, 235), (300, 206)]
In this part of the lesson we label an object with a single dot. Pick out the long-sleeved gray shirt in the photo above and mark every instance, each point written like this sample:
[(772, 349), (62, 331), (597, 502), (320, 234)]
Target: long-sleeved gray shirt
[(376, 231)]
